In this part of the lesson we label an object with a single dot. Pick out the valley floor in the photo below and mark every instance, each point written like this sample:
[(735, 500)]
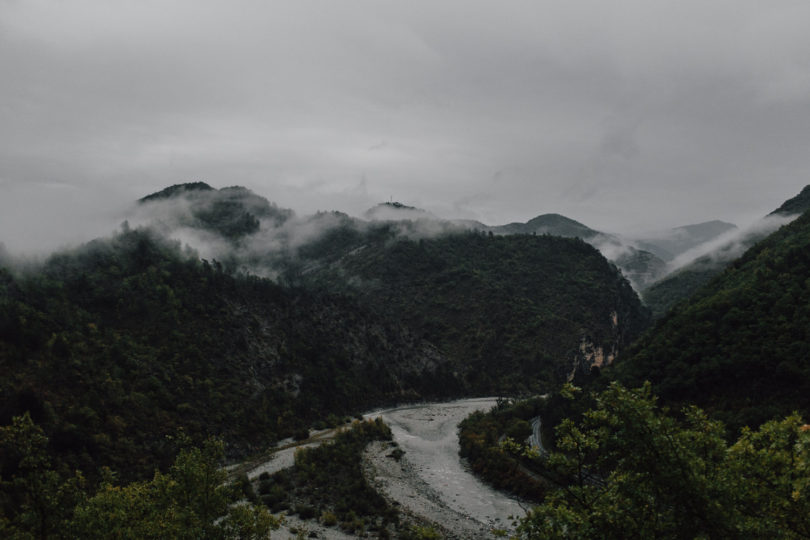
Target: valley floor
[(400, 484), (429, 484)]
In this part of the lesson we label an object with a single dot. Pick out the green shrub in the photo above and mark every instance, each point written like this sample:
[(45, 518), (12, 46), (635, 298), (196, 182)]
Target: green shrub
[(328, 518), (305, 511)]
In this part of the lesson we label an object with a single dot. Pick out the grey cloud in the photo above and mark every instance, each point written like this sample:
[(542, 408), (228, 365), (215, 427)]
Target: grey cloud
[(622, 115)]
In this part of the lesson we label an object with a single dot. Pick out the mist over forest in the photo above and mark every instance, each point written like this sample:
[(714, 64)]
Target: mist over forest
[(258, 262)]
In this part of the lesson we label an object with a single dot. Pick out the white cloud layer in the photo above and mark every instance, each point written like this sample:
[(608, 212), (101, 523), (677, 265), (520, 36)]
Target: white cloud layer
[(624, 115)]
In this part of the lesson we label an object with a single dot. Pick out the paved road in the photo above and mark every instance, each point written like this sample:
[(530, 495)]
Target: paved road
[(535, 439)]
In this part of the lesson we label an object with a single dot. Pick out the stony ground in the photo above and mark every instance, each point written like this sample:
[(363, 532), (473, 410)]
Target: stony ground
[(430, 481), (428, 484), (402, 487)]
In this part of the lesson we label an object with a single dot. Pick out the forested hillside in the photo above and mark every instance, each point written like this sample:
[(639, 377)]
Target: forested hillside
[(740, 346), (640, 267), (719, 452), (795, 205), (121, 342), (127, 349), (118, 344), (521, 312), (662, 295), (232, 212)]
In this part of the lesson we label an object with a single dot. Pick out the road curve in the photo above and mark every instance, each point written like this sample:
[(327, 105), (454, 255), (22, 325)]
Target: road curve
[(535, 439)]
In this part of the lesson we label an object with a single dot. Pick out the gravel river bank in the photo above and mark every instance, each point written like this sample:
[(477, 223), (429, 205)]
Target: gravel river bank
[(430, 482)]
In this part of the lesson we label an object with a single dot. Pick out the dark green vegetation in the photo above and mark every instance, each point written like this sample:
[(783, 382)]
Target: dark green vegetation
[(625, 467), (548, 295), (518, 311), (628, 469), (481, 436), (638, 266), (119, 344), (114, 347), (664, 294), (740, 347), (189, 501), (327, 483)]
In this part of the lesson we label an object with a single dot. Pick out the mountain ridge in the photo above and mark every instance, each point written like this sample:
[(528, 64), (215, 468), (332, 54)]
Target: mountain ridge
[(677, 286)]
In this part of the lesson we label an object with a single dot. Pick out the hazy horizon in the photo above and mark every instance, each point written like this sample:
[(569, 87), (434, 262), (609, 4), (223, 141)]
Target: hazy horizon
[(629, 117)]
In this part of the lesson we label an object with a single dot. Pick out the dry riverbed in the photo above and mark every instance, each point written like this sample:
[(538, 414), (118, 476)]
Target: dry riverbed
[(429, 484)]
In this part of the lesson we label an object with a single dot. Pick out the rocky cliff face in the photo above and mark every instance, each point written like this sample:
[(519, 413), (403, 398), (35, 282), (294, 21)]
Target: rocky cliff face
[(597, 355)]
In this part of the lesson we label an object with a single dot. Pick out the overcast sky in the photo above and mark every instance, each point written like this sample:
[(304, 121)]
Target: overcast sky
[(626, 116)]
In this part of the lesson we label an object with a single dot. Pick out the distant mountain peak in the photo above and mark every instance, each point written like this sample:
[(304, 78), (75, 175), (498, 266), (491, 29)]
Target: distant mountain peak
[(554, 218), (714, 225), (396, 211), (398, 205), (553, 224), (176, 190), (232, 212), (558, 220)]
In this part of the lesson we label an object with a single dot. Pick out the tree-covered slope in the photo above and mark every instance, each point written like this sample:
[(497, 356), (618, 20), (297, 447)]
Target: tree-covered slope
[(231, 212), (553, 224), (795, 205), (521, 312), (741, 345), (124, 341), (638, 266), (665, 293)]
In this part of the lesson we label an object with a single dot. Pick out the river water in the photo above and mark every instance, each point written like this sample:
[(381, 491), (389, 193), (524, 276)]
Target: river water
[(429, 435)]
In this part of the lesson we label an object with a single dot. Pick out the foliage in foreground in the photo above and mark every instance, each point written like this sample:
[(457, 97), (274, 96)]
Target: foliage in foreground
[(190, 501), (632, 470)]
